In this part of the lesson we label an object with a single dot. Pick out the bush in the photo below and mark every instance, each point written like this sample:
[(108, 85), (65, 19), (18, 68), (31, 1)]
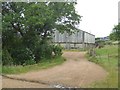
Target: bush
[(48, 52), (43, 51), (23, 56), (6, 57), (57, 49), (29, 62)]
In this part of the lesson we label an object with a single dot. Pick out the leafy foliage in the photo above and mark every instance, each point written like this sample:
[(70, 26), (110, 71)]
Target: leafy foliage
[(6, 58), (43, 51), (57, 49), (28, 27), (22, 56), (115, 35)]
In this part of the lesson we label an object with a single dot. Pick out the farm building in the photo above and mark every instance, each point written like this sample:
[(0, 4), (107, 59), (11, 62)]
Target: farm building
[(79, 39)]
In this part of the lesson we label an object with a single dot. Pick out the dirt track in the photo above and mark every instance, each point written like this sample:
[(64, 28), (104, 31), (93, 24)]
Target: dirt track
[(75, 72)]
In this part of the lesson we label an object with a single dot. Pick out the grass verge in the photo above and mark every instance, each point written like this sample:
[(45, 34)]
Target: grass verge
[(42, 65), (107, 57)]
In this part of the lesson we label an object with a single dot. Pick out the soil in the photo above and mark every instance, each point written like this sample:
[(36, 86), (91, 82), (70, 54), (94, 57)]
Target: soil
[(77, 71)]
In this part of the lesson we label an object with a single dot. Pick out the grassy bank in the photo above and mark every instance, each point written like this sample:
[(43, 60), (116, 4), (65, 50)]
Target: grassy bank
[(107, 57), (42, 65)]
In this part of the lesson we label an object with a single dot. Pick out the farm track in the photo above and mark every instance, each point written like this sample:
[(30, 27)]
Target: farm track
[(77, 71)]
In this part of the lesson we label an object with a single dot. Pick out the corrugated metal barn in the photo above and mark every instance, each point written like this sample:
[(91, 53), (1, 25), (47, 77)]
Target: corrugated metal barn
[(79, 39)]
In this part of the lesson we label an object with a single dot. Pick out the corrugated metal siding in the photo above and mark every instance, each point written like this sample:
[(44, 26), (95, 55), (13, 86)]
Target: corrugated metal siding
[(77, 37), (89, 38)]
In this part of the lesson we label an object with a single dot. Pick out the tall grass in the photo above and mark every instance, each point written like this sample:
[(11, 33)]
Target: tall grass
[(107, 57), (42, 65)]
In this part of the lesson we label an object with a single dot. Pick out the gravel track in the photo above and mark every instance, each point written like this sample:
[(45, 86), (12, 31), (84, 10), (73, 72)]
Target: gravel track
[(77, 71)]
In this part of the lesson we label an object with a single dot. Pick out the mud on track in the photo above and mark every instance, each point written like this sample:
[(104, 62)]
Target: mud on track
[(77, 71)]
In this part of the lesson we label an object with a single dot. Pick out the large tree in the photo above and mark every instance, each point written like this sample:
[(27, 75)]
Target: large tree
[(115, 35), (28, 25)]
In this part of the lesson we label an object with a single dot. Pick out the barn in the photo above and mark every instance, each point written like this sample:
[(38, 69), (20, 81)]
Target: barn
[(78, 40)]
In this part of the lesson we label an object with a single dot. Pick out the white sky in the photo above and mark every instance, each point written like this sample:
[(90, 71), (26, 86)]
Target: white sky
[(99, 16)]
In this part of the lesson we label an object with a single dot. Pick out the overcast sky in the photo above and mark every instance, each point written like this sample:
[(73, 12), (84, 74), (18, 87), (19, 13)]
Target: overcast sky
[(99, 16)]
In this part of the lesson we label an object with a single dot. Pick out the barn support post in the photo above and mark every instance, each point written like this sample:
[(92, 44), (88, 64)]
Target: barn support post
[(83, 40)]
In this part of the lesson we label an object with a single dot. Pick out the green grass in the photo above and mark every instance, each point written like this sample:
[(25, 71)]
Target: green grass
[(42, 65), (107, 57)]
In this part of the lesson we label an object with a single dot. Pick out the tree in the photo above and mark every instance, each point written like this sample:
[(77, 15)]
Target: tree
[(29, 25), (115, 35)]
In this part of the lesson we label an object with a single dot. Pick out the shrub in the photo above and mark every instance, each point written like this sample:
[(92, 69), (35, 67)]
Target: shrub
[(48, 51), (57, 49), (6, 57), (29, 62), (23, 56), (43, 51)]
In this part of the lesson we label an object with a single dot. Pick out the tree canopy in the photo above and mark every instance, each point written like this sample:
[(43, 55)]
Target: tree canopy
[(115, 35), (27, 27)]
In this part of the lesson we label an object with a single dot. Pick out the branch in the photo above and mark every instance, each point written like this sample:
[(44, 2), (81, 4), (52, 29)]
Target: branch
[(17, 28)]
